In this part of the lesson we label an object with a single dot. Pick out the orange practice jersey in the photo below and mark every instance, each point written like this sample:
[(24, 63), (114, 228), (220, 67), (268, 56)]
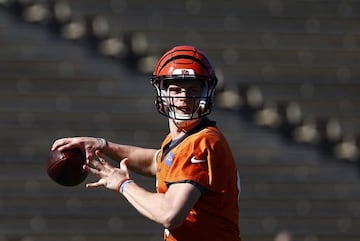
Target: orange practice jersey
[(203, 158)]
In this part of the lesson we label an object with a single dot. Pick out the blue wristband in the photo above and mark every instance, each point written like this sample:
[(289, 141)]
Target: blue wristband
[(121, 189)]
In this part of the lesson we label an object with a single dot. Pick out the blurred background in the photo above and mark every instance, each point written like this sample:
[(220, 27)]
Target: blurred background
[(288, 102)]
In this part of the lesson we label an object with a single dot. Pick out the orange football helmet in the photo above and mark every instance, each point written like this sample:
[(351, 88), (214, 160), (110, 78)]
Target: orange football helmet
[(184, 63)]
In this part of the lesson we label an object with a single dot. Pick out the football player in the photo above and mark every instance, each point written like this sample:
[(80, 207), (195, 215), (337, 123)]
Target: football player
[(196, 177)]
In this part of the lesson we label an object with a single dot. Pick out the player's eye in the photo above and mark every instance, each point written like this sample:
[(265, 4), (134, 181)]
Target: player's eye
[(175, 90)]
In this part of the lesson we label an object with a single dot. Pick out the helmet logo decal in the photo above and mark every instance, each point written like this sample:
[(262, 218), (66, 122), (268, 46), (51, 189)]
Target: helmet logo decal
[(183, 72)]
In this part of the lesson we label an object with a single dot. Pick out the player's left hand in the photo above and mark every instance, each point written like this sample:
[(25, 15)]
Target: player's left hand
[(109, 176)]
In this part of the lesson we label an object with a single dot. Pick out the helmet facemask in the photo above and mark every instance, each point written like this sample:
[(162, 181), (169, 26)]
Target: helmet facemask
[(200, 103)]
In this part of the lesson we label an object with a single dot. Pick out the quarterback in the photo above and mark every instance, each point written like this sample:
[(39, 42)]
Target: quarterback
[(197, 181)]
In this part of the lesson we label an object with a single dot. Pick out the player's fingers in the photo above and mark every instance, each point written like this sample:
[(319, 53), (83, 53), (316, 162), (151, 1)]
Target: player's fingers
[(100, 156), (123, 164), (97, 164), (91, 170), (57, 143), (102, 160), (89, 156), (64, 144), (95, 184)]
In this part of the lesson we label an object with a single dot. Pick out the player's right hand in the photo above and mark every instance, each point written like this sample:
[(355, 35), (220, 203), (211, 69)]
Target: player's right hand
[(87, 144)]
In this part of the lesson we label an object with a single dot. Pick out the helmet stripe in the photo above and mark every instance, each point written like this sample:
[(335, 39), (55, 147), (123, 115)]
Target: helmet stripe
[(185, 57)]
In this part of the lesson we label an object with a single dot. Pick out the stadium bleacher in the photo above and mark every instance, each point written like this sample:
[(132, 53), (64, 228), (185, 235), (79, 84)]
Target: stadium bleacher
[(57, 82)]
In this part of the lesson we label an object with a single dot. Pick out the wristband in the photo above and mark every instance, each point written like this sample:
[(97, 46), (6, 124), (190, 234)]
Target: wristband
[(122, 183), (103, 143)]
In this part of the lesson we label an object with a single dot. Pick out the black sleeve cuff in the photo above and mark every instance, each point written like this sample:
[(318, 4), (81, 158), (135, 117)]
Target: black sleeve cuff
[(195, 184)]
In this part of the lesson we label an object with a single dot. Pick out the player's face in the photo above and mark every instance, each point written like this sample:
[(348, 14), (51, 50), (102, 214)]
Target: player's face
[(184, 96)]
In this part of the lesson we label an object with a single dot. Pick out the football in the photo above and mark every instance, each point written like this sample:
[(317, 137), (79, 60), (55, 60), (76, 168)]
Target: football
[(66, 167)]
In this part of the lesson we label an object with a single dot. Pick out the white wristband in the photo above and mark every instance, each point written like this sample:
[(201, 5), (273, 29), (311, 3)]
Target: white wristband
[(102, 142)]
